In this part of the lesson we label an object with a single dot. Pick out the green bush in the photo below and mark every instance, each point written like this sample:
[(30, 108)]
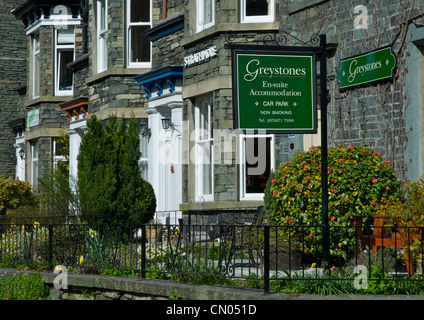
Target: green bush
[(15, 194), (111, 189), (148, 203), (23, 287), (357, 177)]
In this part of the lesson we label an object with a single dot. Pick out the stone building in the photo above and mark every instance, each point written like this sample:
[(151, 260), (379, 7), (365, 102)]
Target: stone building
[(79, 64), (170, 64), (13, 57)]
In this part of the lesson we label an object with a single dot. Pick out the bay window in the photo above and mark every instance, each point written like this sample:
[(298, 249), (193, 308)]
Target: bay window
[(205, 15), (256, 162), (257, 10), (36, 65), (204, 149), (64, 55), (139, 20), (101, 35), (34, 164)]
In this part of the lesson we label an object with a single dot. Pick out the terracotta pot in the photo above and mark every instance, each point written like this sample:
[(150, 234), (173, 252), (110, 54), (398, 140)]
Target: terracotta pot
[(283, 256)]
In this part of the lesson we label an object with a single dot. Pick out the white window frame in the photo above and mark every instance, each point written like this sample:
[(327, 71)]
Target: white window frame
[(143, 64), (244, 195), (270, 17), (36, 75), (57, 158), (201, 7), (59, 48), (102, 36), (34, 164), (204, 149), (143, 162)]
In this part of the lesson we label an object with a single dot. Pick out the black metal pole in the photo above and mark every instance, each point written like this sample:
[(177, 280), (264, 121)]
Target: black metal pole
[(50, 247), (266, 259), (324, 150), (143, 251)]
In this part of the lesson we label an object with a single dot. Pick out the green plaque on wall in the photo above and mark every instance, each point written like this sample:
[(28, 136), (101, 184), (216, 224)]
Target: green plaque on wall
[(274, 91), (371, 67)]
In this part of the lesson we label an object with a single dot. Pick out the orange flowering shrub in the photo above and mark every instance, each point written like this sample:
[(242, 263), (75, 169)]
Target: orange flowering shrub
[(407, 212), (356, 176), (15, 193)]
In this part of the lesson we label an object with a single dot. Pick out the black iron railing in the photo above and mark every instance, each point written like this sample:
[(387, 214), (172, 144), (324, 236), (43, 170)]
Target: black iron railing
[(243, 248)]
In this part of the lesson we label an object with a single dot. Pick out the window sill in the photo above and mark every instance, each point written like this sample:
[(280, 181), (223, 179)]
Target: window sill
[(242, 204), (234, 27), (46, 99), (130, 72)]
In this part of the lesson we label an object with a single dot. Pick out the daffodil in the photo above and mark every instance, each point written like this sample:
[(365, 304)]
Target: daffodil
[(92, 233)]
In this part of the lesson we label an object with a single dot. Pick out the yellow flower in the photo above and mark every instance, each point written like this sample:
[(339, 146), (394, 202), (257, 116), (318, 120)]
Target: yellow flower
[(80, 260), (92, 233), (58, 268), (36, 224), (313, 265)]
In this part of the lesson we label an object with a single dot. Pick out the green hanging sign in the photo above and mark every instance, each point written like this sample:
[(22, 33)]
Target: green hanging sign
[(275, 91), (374, 66)]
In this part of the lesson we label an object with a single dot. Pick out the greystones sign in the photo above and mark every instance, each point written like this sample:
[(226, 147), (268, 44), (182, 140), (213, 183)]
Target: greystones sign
[(371, 67), (274, 91)]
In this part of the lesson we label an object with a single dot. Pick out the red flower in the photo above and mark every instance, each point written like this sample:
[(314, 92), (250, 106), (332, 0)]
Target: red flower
[(374, 180), (312, 234), (333, 218), (346, 199)]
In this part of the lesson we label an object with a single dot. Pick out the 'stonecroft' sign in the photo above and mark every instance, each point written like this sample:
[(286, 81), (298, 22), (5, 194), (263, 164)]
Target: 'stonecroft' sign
[(374, 66), (200, 56), (275, 91)]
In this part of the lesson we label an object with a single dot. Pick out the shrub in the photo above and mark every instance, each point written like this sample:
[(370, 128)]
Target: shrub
[(406, 211), (111, 189), (148, 203), (356, 176), (407, 208), (23, 287), (15, 194)]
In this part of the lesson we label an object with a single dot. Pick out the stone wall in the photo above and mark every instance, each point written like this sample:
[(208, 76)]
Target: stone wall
[(373, 115), (115, 92), (13, 57)]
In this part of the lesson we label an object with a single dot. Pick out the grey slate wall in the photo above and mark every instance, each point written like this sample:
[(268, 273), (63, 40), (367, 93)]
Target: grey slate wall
[(13, 56)]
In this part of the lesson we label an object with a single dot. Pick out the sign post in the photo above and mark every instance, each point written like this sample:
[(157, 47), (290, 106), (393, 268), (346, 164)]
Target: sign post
[(274, 89), (324, 151)]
